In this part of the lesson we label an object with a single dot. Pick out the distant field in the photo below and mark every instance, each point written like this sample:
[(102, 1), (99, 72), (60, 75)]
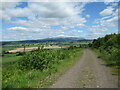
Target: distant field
[(10, 47), (14, 46), (16, 50), (32, 48)]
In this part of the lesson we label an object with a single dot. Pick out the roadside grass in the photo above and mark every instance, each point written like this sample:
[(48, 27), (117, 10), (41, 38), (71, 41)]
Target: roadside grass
[(10, 60), (110, 64), (15, 78), (60, 70)]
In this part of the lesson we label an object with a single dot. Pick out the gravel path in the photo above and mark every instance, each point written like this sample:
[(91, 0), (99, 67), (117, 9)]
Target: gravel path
[(88, 72)]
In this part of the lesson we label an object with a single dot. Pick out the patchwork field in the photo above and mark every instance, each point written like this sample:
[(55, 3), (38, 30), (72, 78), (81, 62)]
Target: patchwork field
[(32, 48)]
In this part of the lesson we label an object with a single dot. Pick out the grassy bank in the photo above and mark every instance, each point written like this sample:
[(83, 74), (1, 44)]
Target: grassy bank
[(112, 66), (60, 69), (107, 48), (59, 61)]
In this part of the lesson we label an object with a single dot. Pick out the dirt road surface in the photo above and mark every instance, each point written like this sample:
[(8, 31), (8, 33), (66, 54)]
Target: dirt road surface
[(88, 72)]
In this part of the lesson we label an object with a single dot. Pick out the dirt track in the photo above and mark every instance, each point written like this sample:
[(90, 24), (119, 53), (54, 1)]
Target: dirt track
[(88, 72)]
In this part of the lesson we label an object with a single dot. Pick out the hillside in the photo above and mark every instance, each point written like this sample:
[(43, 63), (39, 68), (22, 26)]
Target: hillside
[(55, 39)]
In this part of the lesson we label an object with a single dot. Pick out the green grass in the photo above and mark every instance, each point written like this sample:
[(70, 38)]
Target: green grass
[(10, 58), (111, 64), (16, 78), (60, 69), (6, 60)]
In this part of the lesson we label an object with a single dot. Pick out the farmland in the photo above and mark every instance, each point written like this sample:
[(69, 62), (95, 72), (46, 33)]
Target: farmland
[(39, 65), (16, 67)]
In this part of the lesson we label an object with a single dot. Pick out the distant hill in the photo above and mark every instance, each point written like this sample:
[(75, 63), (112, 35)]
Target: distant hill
[(55, 39)]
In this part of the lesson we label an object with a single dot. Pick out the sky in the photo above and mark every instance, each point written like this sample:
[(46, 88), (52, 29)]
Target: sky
[(38, 20)]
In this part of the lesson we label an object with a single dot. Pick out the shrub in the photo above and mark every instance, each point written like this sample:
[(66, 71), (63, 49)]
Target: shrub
[(44, 59)]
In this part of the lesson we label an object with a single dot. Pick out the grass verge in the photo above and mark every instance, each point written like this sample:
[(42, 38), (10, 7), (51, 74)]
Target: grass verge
[(114, 69), (61, 69)]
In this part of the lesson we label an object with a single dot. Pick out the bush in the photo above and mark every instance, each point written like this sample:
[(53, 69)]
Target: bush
[(44, 59), (20, 54), (108, 46)]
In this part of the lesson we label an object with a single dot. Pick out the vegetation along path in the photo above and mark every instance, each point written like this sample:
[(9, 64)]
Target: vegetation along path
[(88, 72)]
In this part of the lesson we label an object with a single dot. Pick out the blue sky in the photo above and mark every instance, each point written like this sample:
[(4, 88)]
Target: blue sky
[(30, 21)]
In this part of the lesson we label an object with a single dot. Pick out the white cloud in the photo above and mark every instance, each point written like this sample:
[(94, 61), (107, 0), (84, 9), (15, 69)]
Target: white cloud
[(67, 15), (61, 35), (64, 35), (41, 16), (46, 13), (98, 33), (12, 1), (88, 16), (54, 10), (97, 28), (107, 11), (103, 25), (75, 33), (79, 31), (61, 0), (109, 20), (17, 28)]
